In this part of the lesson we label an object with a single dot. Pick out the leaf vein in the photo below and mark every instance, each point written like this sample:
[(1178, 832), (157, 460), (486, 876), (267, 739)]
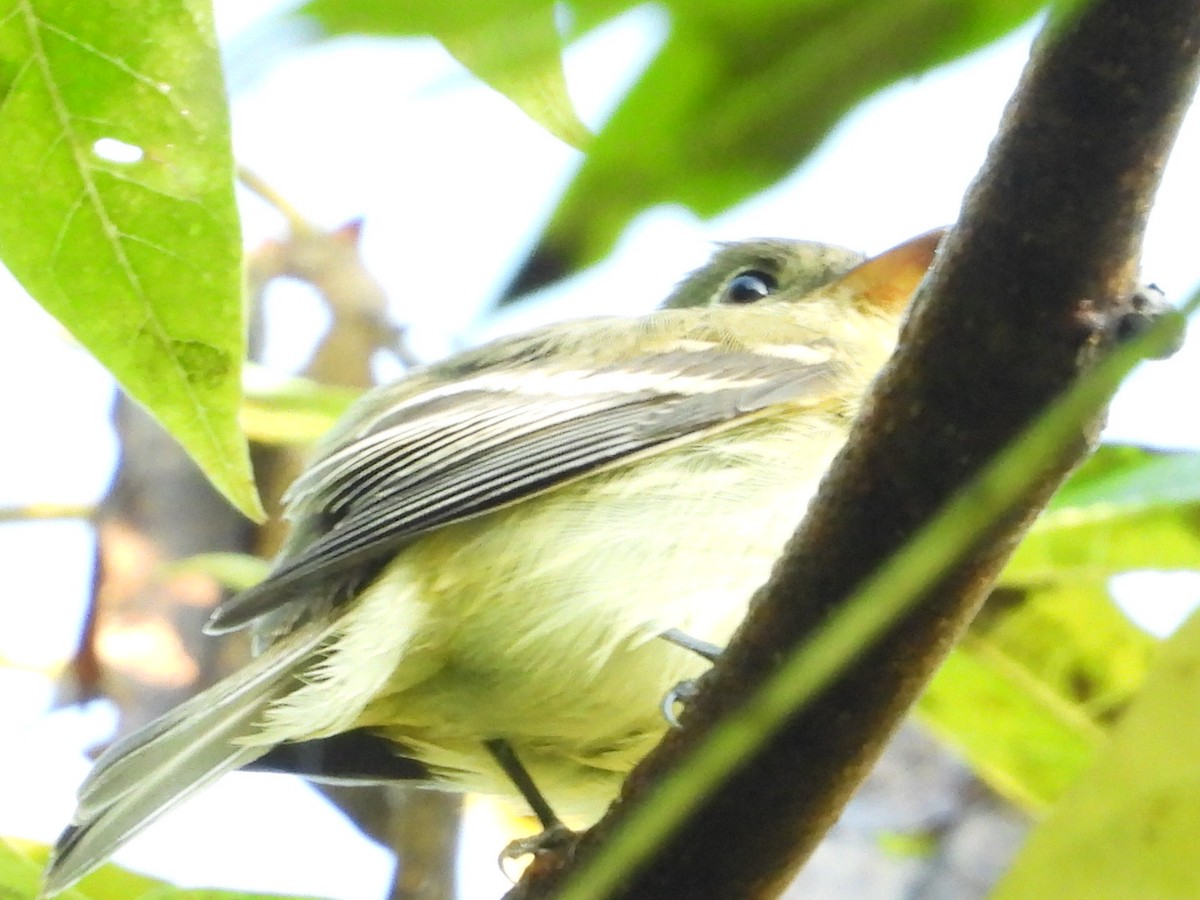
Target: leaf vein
[(117, 63), (33, 26)]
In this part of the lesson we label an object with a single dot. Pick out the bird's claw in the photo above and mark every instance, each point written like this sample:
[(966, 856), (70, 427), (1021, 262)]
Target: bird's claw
[(553, 846), (680, 695)]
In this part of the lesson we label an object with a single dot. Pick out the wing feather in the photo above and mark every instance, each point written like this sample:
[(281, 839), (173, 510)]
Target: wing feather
[(473, 446)]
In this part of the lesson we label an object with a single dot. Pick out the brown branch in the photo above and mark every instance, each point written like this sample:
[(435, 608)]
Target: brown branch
[(1026, 288)]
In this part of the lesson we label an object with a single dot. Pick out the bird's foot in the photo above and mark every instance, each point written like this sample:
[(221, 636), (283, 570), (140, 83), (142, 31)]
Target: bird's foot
[(680, 695), (551, 849)]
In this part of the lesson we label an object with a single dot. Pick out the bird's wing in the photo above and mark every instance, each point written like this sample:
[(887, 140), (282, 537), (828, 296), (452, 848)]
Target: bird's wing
[(493, 436)]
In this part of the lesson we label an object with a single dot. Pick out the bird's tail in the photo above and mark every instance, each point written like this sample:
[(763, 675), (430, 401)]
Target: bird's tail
[(147, 773)]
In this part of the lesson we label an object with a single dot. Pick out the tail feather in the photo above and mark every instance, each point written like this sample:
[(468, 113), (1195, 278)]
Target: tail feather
[(142, 776)]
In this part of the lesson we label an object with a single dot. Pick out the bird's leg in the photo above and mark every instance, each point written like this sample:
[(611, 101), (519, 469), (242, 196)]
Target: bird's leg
[(687, 642), (685, 690), (555, 837)]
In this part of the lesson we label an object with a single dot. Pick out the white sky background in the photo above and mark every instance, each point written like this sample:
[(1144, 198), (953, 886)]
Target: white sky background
[(444, 171)]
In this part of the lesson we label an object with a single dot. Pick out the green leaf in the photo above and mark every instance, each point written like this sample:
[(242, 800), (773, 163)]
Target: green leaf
[(233, 571), (1127, 508), (1050, 662), (920, 844), (738, 96), (19, 876), (119, 215), (1094, 547), (291, 410), (1027, 695), (1131, 826), (21, 865), (513, 47), (395, 17), (1132, 477), (522, 60)]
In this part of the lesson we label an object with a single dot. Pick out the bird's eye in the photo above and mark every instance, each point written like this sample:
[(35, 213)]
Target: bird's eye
[(749, 287)]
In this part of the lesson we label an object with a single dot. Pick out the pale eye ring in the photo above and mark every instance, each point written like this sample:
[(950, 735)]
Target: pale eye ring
[(749, 287)]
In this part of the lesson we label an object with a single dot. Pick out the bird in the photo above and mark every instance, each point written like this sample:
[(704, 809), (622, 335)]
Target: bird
[(500, 564)]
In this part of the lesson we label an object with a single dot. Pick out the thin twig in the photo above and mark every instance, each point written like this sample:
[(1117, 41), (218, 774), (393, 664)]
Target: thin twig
[(296, 220), (47, 512)]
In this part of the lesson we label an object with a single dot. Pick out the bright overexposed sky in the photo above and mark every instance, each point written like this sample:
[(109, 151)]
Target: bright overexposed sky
[(453, 182)]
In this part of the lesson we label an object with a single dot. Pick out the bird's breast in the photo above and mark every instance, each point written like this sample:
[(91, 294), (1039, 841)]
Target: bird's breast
[(541, 620)]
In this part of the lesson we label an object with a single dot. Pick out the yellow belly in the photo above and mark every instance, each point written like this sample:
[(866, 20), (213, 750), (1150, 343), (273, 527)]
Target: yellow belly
[(538, 623)]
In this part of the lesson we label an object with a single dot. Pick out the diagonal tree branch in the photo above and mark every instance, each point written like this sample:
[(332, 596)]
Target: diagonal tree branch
[(1029, 284)]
